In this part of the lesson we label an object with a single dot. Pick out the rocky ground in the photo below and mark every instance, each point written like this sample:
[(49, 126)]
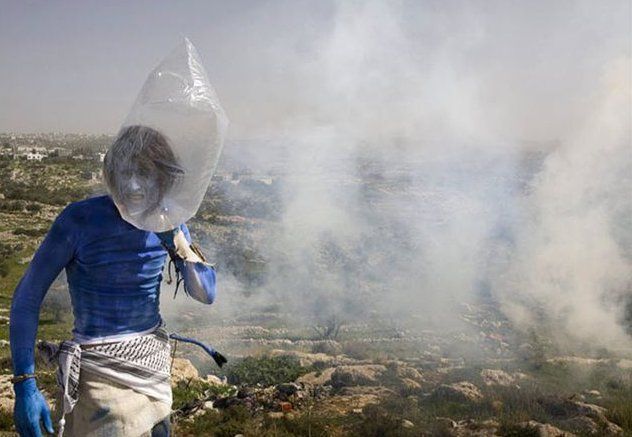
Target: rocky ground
[(417, 385), (320, 394), (345, 396), (482, 379)]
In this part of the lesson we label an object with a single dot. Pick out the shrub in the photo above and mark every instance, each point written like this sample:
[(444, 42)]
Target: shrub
[(227, 423), (33, 232), (265, 370), (6, 421), (34, 207), (4, 269), (186, 393)]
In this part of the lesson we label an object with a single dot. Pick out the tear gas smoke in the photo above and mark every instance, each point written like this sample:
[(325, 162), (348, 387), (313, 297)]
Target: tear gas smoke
[(440, 152)]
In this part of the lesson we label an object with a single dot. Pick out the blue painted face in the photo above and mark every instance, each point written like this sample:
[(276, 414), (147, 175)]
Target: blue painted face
[(138, 187)]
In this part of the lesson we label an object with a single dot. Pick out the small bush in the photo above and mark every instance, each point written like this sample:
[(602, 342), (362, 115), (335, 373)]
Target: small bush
[(32, 232), (265, 370), (6, 421), (4, 269), (328, 347), (188, 392), (34, 207), (12, 205)]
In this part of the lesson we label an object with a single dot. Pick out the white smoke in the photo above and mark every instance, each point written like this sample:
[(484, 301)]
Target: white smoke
[(460, 102), (569, 260)]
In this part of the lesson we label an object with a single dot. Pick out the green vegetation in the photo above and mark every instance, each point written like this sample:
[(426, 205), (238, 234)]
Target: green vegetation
[(33, 193), (30, 232), (265, 370), (188, 393), (620, 409), (6, 421), (239, 420), (230, 422)]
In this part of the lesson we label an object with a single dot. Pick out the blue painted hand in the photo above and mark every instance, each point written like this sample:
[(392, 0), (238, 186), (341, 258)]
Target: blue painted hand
[(31, 409)]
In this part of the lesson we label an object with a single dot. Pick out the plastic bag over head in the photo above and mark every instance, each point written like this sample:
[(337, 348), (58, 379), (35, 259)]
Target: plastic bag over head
[(159, 167)]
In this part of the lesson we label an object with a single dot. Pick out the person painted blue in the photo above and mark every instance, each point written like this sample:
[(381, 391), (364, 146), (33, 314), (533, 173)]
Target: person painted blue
[(114, 270)]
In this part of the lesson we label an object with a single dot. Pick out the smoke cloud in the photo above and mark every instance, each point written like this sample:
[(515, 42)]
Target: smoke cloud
[(571, 258), (439, 152)]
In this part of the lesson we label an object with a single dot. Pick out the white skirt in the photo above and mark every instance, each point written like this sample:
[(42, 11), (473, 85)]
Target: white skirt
[(106, 408)]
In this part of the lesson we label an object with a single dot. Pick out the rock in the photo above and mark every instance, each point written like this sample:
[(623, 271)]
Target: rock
[(407, 372), (591, 410), (446, 422), (366, 374), (594, 394), (208, 405), (182, 369), (7, 396), (613, 429), (567, 409), (474, 428), (409, 377), (317, 378), (598, 414), (582, 425), (215, 380), (544, 429), (407, 424), (497, 377), (410, 384), (458, 392)]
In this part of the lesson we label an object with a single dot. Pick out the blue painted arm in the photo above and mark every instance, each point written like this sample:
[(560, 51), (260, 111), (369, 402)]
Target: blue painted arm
[(55, 252), (53, 255), (199, 279)]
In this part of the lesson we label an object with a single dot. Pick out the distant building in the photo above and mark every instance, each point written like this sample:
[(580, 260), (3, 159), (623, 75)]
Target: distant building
[(62, 151), (101, 156), (35, 156), (31, 149)]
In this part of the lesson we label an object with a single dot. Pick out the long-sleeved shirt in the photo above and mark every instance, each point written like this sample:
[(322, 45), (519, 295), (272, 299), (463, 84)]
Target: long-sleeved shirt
[(114, 271)]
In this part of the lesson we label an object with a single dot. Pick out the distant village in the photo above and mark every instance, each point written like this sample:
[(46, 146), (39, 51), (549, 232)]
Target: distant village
[(38, 147), (42, 147)]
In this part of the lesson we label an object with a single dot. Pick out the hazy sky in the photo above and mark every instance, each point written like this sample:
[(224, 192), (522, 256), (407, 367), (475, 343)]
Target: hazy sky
[(77, 65)]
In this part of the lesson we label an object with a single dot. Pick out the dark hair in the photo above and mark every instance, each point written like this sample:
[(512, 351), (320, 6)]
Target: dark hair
[(149, 150)]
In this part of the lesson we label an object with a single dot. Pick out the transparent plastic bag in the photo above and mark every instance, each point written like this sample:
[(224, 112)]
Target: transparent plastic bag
[(159, 167)]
